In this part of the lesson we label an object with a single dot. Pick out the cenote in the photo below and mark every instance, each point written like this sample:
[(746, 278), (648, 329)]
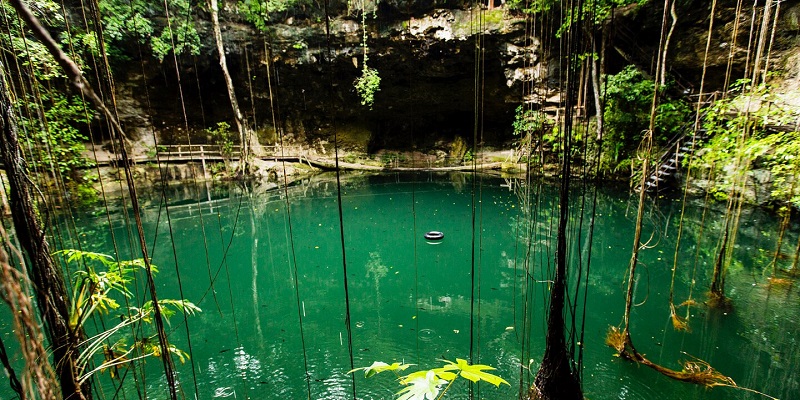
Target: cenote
[(271, 285)]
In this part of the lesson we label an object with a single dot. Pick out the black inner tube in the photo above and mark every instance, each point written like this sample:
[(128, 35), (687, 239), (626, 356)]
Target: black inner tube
[(434, 235)]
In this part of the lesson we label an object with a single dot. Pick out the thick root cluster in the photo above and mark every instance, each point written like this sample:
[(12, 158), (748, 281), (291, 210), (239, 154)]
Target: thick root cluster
[(695, 371)]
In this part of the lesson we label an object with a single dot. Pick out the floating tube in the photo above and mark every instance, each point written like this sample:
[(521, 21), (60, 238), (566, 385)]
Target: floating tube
[(434, 235)]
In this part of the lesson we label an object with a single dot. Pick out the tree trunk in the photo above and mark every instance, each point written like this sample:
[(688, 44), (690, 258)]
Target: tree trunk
[(597, 72), (556, 379), (247, 137), (674, 15), (718, 276), (762, 38), (51, 293)]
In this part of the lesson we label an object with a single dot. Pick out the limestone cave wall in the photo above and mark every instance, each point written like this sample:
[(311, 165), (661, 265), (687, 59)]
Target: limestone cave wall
[(425, 56)]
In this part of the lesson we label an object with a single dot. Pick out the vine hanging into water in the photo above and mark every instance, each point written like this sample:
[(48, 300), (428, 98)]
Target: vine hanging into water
[(369, 82)]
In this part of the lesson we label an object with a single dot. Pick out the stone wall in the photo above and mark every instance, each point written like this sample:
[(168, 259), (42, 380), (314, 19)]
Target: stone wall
[(425, 56)]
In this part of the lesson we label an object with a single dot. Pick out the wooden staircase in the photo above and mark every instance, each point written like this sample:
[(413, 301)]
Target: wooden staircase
[(666, 169)]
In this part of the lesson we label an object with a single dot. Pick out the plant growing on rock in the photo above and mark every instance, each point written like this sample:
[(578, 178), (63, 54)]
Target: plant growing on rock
[(258, 12), (137, 20), (752, 132), (627, 112), (222, 136)]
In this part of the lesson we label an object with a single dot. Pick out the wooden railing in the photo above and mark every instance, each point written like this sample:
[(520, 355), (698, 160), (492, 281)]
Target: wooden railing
[(200, 151)]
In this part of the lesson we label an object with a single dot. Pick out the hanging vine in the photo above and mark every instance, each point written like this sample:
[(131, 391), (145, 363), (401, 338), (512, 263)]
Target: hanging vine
[(695, 370), (52, 121), (369, 82)]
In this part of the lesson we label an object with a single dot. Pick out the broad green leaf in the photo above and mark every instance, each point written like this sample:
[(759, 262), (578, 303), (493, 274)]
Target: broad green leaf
[(440, 372), (424, 386), (380, 366), (474, 372)]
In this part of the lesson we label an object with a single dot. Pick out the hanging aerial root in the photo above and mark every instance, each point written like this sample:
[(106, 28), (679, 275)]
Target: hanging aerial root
[(678, 323), (694, 371), (719, 301), (616, 340), (779, 283), (39, 375), (688, 303)]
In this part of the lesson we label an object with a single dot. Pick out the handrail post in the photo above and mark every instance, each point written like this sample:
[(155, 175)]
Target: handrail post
[(203, 161)]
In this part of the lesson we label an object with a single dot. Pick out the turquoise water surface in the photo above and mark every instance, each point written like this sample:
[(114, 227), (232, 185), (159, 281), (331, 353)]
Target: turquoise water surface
[(271, 284)]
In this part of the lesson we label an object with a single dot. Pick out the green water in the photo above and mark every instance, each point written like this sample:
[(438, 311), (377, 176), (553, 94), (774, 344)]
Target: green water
[(418, 302)]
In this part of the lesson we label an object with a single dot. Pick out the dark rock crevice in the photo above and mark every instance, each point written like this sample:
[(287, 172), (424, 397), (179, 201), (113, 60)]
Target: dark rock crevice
[(426, 63)]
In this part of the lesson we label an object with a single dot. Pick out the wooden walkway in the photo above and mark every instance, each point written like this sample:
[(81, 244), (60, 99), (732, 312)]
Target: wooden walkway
[(213, 153)]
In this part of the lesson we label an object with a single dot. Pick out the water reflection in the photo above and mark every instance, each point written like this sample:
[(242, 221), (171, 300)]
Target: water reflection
[(412, 302)]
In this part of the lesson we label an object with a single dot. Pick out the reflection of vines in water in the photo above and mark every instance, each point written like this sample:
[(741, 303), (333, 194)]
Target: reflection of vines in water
[(378, 271), (693, 371), (786, 213), (620, 340), (793, 269)]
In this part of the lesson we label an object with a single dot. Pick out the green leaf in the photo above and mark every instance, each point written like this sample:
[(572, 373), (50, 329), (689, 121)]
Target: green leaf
[(425, 387), (440, 372), (474, 372), (380, 366)]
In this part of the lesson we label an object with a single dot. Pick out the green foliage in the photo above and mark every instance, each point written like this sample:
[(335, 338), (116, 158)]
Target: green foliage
[(599, 11), (56, 134), (427, 384), (99, 284), (369, 82), (124, 20), (533, 7), (783, 161), (672, 117), (31, 55), (52, 124), (258, 12), (367, 85), (182, 39), (82, 193), (629, 97), (223, 137), (152, 152), (743, 141), (140, 20), (94, 284), (468, 156), (527, 121)]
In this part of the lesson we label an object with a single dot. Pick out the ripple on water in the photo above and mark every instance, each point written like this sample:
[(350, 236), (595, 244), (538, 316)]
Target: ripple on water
[(611, 380), (222, 392), (427, 335)]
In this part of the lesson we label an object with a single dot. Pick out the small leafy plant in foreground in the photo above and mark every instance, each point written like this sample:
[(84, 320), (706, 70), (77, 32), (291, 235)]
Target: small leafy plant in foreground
[(99, 283), (427, 384)]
